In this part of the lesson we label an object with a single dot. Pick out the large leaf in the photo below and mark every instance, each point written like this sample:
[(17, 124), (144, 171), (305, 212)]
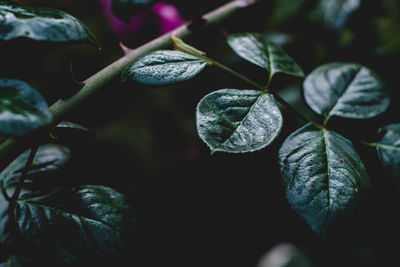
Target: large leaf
[(164, 67), (75, 225), (41, 24), (254, 48), (345, 90), (48, 159), (124, 9), (323, 175), (235, 121), (388, 149), (22, 109), (334, 13)]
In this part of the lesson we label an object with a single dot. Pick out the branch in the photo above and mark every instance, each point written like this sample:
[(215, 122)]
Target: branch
[(12, 147)]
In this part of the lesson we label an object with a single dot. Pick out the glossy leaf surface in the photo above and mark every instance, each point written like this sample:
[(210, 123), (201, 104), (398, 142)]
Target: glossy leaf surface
[(48, 159), (22, 108), (41, 24), (388, 149), (254, 48), (164, 67), (334, 13), (235, 121), (345, 90), (322, 174), (72, 225)]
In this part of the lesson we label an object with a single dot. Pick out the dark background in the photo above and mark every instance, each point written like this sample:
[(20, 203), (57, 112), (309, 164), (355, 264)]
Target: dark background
[(225, 209)]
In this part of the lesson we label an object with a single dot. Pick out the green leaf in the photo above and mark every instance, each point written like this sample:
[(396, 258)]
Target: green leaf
[(254, 48), (231, 120), (22, 109), (41, 24), (164, 67), (345, 90), (75, 225), (48, 159), (334, 13), (323, 176), (69, 130), (124, 9), (388, 149)]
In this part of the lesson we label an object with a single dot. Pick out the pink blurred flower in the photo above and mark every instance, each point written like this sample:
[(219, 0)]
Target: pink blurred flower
[(144, 25)]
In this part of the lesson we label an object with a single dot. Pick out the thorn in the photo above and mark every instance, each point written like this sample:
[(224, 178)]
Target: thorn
[(81, 84), (125, 49)]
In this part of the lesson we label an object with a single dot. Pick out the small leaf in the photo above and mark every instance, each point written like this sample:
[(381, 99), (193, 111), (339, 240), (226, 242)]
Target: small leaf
[(345, 90), (41, 24), (48, 159), (22, 109), (235, 121), (69, 130), (322, 174), (124, 9), (164, 67), (334, 13), (254, 48), (75, 225), (388, 149)]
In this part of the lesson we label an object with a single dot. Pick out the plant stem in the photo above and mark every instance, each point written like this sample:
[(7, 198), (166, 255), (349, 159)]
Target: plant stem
[(14, 198), (12, 147), (179, 44), (24, 174)]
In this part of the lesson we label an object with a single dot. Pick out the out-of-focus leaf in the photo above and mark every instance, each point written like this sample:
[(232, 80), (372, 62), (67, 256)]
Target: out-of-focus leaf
[(164, 67), (41, 24), (254, 48), (334, 13), (345, 90), (124, 9), (22, 109), (284, 255), (323, 176), (235, 121), (388, 148)]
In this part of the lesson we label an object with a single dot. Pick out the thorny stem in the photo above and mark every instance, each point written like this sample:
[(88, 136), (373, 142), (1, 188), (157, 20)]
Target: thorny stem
[(12, 147)]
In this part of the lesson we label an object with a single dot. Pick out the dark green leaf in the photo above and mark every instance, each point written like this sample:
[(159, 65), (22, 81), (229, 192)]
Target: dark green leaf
[(235, 121), (22, 109), (345, 90), (388, 149), (69, 130), (323, 176), (77, 224), (164, 67), (124, 9), (48, 159), (334, 13), (41, 24), (254, 48)]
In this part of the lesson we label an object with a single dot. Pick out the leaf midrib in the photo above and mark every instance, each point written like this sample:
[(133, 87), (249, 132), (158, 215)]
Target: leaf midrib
[(241, 122), (340, 97)]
